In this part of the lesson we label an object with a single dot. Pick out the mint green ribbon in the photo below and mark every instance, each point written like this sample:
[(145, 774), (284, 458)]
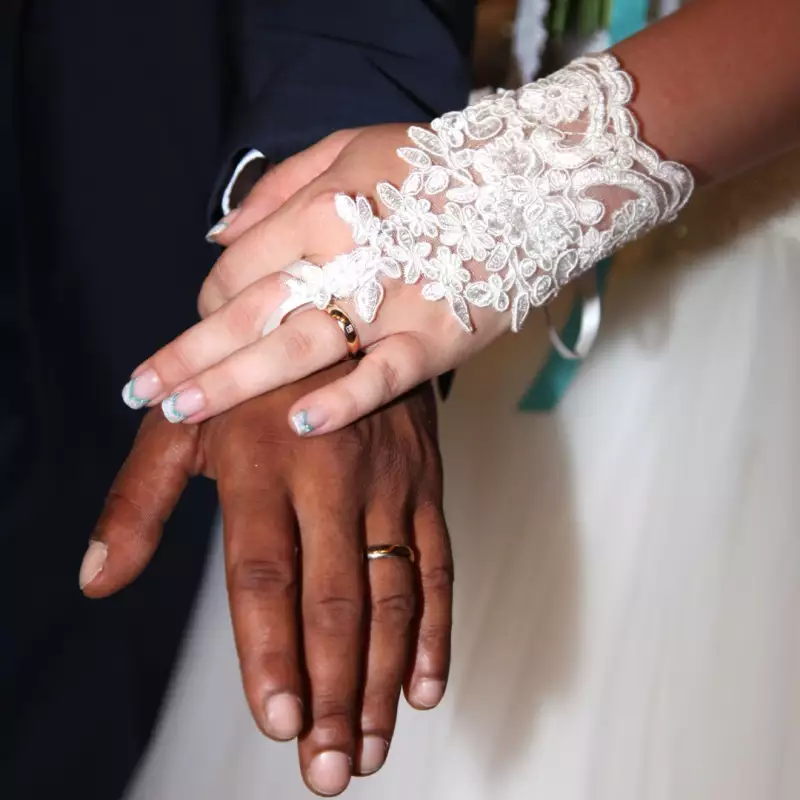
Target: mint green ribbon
[(550, 385)]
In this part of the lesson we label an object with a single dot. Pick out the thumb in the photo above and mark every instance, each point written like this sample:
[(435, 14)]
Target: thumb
[(142, 497), (280, 183)]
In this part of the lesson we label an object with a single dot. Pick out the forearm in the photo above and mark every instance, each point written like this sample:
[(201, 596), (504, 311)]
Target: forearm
[(718, 87)]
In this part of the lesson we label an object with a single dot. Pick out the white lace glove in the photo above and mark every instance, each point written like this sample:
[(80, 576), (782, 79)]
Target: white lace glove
[(505, 202)]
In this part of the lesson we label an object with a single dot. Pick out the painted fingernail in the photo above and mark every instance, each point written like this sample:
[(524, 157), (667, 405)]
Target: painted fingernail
[(221, 226), (181, 405), (284, 716), (427, 693), (139, 391), (373, 754), (329, 773), (93, 562), (308, 420)]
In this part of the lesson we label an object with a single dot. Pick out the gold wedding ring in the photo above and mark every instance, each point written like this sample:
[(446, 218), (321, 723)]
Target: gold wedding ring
[(347, 328), (390, 551)]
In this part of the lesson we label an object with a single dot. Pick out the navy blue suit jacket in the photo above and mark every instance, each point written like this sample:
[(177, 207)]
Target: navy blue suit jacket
[(126, 115)]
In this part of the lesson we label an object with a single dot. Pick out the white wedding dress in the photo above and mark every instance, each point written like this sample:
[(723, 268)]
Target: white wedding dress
[(628, 591)]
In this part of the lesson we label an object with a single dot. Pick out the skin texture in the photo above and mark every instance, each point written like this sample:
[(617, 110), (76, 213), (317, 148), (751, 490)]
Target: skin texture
[(312, 620), (718, 83)]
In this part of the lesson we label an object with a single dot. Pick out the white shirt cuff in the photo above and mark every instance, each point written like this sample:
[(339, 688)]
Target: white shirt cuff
[(252, 155)]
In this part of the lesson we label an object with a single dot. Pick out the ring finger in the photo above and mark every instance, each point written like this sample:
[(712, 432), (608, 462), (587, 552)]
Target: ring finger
[(392, 609), (303, 345)]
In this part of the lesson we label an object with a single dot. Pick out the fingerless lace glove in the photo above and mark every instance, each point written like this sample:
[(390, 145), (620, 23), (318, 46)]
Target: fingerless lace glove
[(507, 201)]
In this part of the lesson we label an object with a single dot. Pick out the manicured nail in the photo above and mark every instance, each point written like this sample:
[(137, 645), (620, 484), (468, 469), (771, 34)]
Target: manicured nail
[(139, 391), (284, 716), (222, 225), (93, 562), (427, 693), (373, 754), (181, 405), (329, 773), (307, 420)]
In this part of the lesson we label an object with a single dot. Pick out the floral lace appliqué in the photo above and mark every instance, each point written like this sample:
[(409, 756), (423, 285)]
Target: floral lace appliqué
[(508, 200)]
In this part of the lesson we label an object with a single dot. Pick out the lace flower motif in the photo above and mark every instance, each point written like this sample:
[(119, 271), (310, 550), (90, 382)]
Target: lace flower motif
[(448, 280), (463, 228), (556, 100)]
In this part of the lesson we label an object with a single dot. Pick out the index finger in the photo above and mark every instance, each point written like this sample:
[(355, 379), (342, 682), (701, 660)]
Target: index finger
[(282, 181)]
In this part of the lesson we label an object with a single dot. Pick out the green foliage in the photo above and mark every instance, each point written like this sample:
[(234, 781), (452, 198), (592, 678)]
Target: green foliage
[(578, 16)]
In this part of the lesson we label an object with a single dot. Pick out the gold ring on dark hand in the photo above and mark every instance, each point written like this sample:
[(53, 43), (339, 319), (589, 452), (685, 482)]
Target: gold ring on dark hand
[(347, 328), (390, 551)]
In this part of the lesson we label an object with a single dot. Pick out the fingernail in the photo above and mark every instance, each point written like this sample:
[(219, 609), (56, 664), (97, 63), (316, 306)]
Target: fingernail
[(428, 693), (329, 772), (177, 407), (222, 225), (307, 420), (284, 716), (373, 754), (93, 562), (139, 391)]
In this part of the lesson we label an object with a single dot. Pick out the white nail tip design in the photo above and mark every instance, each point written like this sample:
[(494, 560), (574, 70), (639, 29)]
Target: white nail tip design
[(170, 412), (215, 231), (301, 424), (129, 396)]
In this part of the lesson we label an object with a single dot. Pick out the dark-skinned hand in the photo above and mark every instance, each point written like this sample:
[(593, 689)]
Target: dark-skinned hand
[(326, 640)]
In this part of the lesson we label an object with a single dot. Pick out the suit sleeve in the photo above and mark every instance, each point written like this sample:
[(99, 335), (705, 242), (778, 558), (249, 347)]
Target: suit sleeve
[(307, 68)]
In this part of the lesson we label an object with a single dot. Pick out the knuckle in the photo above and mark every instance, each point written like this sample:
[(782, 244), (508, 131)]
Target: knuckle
[(438, 580), (177, 359), (243, 318), (321, 204), (353, 444), (231, 383), (125, 503), (393, 472), (389, 376), (348, 406), (262, 661), (208, 300), (435, 639), (332, 720), (205, 305), (264, 576), (210, 297), (333, 614), (430, 465), (412, 350), (394, 610), (327, 234), (220, 280), (298, 347)]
